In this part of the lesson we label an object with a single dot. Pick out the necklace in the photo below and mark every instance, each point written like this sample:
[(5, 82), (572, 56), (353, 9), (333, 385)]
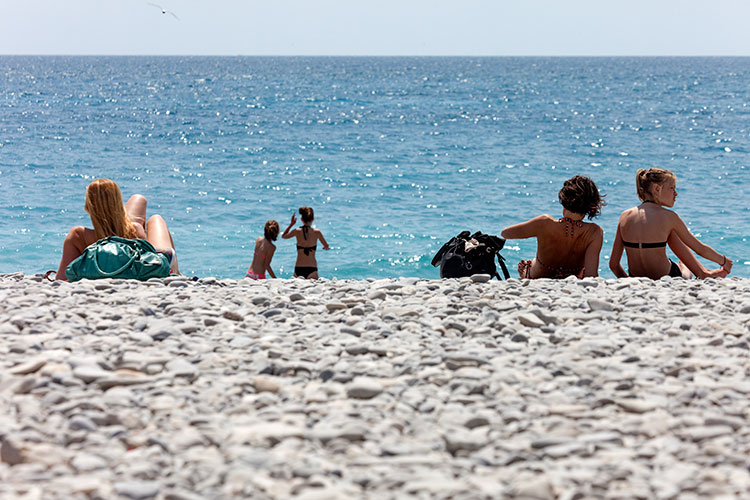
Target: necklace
[(570, 225)]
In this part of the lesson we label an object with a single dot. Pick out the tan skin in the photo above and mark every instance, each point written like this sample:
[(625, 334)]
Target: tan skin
[(313, 236), (651, 222), (264, 250), (556, 248), (155, 232)]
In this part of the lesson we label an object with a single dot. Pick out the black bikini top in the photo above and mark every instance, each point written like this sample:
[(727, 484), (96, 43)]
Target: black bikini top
[(644, 245), (307, 250)]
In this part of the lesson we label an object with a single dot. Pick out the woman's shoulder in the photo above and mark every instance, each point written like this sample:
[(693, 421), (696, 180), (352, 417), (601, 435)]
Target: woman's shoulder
[(595, 229), (544, 218)]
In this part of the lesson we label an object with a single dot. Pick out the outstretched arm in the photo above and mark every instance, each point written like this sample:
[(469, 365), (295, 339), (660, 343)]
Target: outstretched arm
[(591, 259), (287, 234), (686, 257), (705, 251), (616, 256), (527, 229)]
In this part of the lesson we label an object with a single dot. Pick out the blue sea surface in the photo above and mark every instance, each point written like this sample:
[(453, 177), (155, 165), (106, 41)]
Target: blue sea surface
[(396, 155)]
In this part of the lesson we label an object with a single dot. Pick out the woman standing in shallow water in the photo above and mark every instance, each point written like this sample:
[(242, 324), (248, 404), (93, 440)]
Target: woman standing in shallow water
[(307, 244), (566, 246), (645, 231), (111, 218)]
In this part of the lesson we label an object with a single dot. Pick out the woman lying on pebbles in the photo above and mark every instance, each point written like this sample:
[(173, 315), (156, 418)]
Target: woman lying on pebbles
[(566, 246), (307, 243), (645, 231), (111, 218)]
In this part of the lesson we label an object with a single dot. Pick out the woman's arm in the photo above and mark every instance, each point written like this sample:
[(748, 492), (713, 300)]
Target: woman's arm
[(591, 259), (286, 234), (73, 247), (616, 256), (268, 262), (686, 257), (705, 251), (322, 240), (527, 229)]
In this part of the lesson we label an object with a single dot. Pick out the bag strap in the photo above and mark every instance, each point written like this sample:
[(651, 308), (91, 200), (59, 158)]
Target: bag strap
[(46, 276), (114, 273), (439, 254), (501, 261)]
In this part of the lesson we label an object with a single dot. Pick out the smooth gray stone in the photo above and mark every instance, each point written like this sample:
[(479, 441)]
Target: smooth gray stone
[(182, 368), (11, 451), (138, 490), (90, 373), (232, 315), (461, 440), (357, 349), (25, 385), (28, 367), (600, 305), (540, 444), (636, 406), (530, 320), (702, 433), (363, 388), (519, 337), (80, 422), (85, 462), (180, 494), (480, 278)]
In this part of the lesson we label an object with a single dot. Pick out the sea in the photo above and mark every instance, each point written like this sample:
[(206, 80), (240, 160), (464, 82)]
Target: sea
[(396, 155)]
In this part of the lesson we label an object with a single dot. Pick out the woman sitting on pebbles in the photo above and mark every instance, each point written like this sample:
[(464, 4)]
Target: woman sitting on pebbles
[(307, 243), (264, 250), (645, 231), (110, 218), (566, 246)]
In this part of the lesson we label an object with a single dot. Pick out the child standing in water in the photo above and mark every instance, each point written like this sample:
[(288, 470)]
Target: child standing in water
[(307, 243), (264, 249)]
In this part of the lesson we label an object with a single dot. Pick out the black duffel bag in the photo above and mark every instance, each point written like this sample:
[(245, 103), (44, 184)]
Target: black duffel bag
[(465, 255)]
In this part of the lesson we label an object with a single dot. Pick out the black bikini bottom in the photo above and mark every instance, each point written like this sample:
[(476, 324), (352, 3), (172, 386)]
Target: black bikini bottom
[(304, 271), (674, 270)]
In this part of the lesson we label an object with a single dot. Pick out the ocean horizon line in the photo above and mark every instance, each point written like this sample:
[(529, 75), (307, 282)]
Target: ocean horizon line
[(414, 56)]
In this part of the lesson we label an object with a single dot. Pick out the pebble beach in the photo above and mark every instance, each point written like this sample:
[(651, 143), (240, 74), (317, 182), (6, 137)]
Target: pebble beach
[(393, 388)]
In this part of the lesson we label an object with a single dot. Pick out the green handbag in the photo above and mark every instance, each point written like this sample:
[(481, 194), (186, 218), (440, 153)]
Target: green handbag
[(115, 257)]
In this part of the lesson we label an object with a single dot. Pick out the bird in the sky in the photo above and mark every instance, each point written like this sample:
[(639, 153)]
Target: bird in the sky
[(164, 11)]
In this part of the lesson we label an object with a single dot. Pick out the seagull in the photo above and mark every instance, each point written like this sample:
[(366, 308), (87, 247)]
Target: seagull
[(164, 11)]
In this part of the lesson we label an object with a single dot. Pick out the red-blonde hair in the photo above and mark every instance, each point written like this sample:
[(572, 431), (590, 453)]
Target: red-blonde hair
[(104, 205)]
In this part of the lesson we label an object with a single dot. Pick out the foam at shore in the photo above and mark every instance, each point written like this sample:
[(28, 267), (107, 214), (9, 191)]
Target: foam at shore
[(175, 389)]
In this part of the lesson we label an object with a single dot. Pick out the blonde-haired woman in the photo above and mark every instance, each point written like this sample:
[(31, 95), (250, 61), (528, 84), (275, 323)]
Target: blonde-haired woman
[(111, 218), (645, 231)]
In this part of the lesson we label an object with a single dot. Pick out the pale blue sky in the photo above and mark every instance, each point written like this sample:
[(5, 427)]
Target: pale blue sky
[(385, 27)]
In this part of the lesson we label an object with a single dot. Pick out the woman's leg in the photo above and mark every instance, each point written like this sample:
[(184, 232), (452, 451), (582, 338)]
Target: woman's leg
[(158, 235), (136, 209)]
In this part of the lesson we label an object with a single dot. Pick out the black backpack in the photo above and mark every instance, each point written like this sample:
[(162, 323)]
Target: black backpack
[(465, 255)]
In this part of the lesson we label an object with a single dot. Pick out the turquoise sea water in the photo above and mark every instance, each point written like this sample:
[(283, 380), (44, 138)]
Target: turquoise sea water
[(396, 155)]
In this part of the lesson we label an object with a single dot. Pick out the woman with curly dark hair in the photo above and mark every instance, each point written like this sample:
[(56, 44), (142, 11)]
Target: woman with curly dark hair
[(566, 246)]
